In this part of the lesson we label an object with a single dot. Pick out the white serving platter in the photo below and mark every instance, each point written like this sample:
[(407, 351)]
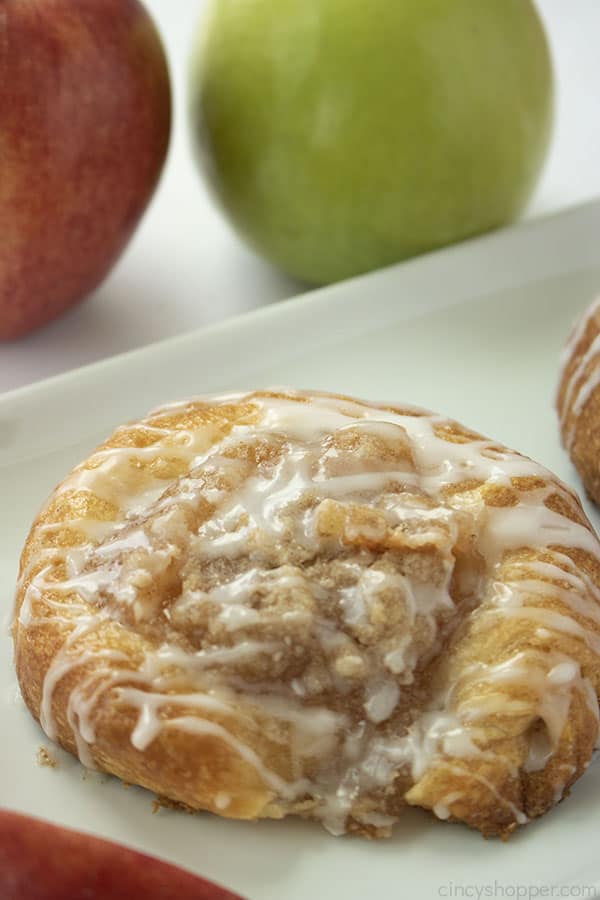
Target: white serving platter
[(473, 331)]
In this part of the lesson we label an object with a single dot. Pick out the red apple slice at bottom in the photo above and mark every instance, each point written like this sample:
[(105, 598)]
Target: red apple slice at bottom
[(40, 861)]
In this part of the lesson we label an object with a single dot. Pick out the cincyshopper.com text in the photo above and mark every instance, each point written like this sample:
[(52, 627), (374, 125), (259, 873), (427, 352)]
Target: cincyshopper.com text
[(456, 890)]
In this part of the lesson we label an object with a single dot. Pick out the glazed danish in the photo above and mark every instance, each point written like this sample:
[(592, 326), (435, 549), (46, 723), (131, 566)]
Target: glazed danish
[(578, 400), (281, 602)]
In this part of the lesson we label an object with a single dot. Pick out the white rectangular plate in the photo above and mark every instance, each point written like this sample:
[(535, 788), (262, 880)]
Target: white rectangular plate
[(473, 331)]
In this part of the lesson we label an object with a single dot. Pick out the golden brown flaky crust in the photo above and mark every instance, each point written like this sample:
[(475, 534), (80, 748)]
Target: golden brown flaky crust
[(578, 400), (508, 650)]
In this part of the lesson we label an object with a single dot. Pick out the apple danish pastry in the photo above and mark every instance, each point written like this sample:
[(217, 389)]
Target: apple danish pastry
[(578, 400), (279, 603)]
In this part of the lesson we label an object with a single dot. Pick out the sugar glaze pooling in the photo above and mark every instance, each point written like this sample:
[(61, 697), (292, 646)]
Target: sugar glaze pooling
[(301, 498)]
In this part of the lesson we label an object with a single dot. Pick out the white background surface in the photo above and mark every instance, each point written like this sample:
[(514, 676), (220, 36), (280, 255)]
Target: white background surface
[(186, 268)]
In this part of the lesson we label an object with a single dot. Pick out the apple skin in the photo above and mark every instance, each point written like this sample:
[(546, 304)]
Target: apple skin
[(40, 861), (342, 135), (85, 113)]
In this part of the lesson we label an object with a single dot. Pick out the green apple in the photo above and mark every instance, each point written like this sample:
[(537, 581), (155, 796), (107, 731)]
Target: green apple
[(344, 135)]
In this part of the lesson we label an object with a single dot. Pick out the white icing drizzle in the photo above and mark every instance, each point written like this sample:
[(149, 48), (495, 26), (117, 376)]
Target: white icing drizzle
[(519, 816), (578, 332), (585, 376), (304, 496), (63, 663), (222, 800), (195, 725), (442, 809)]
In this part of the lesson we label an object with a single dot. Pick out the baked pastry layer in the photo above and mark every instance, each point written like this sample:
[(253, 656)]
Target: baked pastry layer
[(281, 602), (578, 399)]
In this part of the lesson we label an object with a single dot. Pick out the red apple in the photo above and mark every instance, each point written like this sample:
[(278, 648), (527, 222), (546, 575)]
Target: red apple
[(39, 861), (85, 114)]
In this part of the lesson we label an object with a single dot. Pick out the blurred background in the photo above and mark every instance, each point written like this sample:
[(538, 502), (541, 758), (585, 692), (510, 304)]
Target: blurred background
[(185, 267)]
